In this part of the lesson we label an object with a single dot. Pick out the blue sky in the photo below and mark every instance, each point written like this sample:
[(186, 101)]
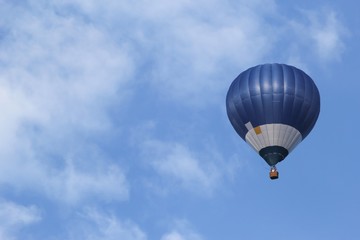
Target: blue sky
[(113, 121)]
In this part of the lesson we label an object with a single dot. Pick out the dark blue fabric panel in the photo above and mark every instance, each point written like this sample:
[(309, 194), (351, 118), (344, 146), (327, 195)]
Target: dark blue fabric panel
[(310, 119), (278, 102), (235, 108), (255, 96), (258, 110), (243, 87), (306, 101), (287, 108), (273, 93), (277, 73), (278, 92), (265, 79)]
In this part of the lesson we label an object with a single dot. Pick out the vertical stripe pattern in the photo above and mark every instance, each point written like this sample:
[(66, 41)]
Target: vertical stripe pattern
[(273, 93)]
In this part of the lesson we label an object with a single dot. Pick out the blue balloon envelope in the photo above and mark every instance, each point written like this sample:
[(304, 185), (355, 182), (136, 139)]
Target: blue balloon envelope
[(273, 107)]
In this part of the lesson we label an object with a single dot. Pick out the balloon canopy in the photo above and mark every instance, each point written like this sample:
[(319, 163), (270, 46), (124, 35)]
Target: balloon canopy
[(273, 107)]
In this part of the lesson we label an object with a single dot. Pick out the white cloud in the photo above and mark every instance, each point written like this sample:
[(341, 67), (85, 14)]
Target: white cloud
[(73, 185), (96, 225), (72, 182), (328, 36), (175, 235), (198, 168), (182, 231), (176, 161), (199, 171), (202, 39), (13, 217), (321, 32), (58, 77)]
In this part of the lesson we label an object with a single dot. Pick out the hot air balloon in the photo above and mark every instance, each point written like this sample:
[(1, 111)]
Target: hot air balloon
[(273, 107)]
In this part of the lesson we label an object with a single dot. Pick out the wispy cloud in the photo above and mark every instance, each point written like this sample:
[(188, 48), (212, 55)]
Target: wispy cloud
[(14, 217), (58, 76), (200, 170), (321, 32), (73, 185), (179, 164), (182, 230), (190, 53), (328, 35), (96, 225)]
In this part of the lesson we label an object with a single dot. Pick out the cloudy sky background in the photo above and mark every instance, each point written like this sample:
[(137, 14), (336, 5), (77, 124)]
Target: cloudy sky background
[(113, 121)]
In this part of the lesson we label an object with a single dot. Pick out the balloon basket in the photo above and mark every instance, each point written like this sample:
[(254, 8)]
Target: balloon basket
[(274, 174)]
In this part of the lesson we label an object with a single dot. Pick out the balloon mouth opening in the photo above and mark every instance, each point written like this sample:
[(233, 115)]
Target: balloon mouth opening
[(273, 154)]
